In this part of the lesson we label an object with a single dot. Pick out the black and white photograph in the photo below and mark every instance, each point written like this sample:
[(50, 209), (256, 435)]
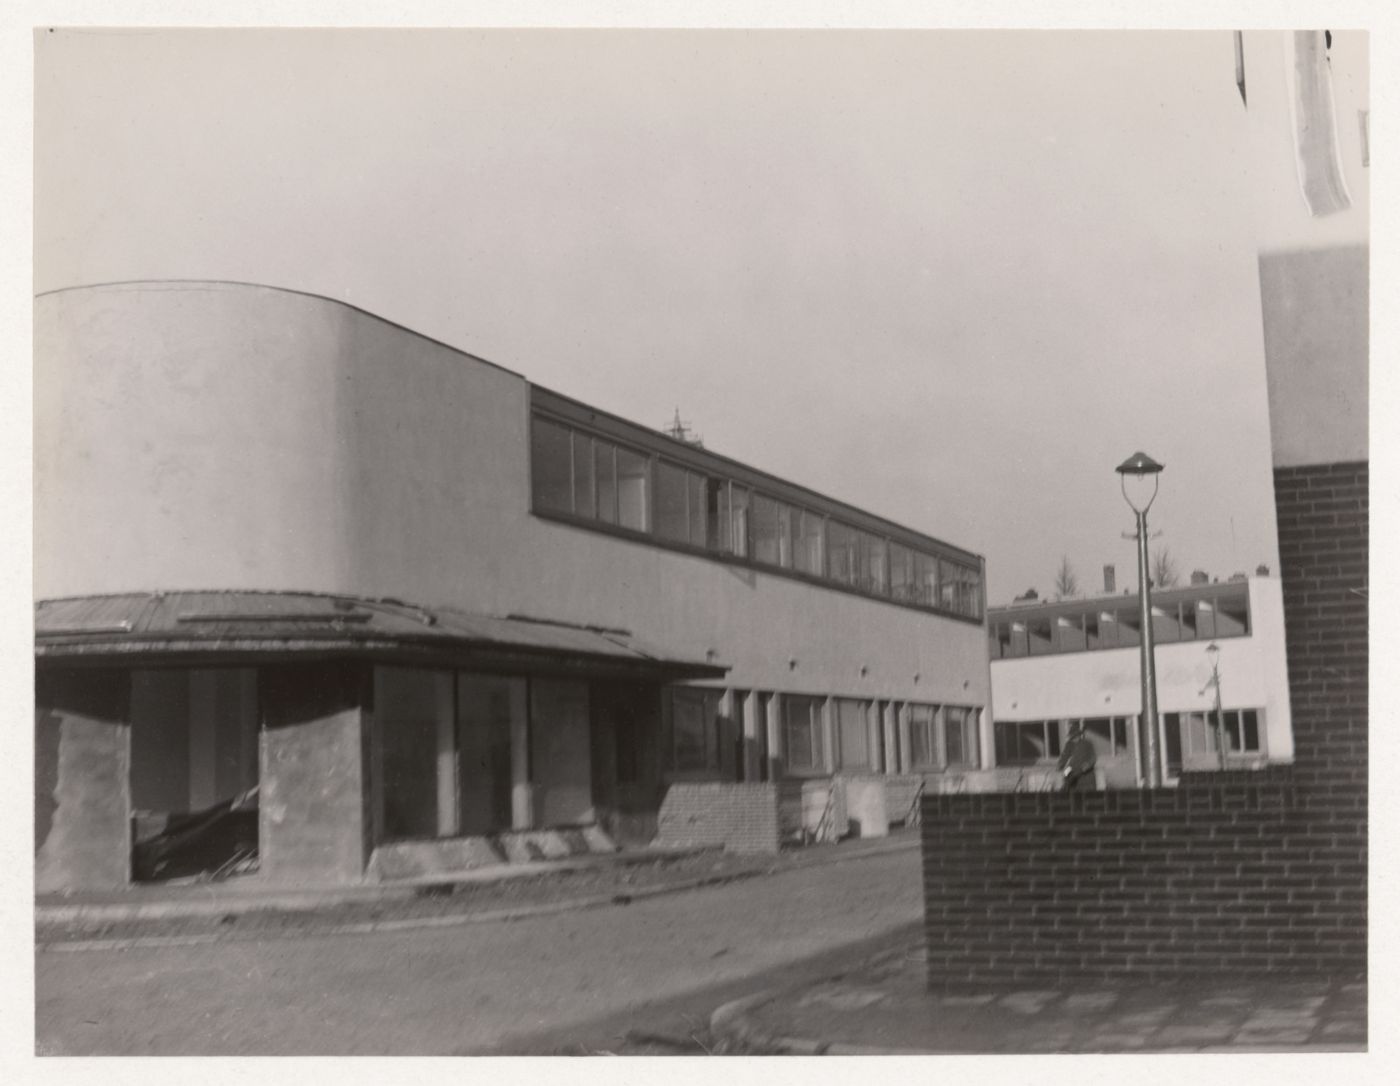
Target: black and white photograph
[(585, 532)]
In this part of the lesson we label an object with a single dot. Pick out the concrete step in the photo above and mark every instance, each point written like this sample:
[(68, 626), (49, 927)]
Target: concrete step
[(419, 860)]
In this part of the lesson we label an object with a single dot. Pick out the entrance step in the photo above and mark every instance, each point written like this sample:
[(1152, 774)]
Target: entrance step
[(400, 860), (415, 859)]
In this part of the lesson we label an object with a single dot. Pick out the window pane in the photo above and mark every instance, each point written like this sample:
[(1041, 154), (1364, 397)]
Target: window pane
[(921, 735), (1251, 729), (695, 515), (1205, 619), (1129, 626), (853, 733), (550, 467), (739, 520), (605, 463), (1069, 633), (840, 552), (1038, 635), (1231, 618), (1164, 623), (901, 573), (670, 503), (583, 476), (870, 564), (1052, 738), (694, 729), (1100, 732), (717, 514), (955, 735), (802, 732), (771, 543), (925, 579), (806, 531), (631, 490), (947, 585), (1232, 730)]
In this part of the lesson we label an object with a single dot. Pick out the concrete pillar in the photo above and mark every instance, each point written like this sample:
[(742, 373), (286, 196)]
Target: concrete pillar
[(889, 721), (313, 817), (445, 711), (748, 706), (773, 721), (522, 803), (829, 734), (728, 726), (906, 755), (82, 781)]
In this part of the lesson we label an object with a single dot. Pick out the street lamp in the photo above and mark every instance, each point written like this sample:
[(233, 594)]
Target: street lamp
[(1140, 467), (1213, 651)]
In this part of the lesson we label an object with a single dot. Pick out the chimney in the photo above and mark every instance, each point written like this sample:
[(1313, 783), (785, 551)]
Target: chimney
[(1200, 576), (1108, 580)]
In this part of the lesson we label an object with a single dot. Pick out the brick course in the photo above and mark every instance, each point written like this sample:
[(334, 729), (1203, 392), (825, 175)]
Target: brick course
[(1250, 872)]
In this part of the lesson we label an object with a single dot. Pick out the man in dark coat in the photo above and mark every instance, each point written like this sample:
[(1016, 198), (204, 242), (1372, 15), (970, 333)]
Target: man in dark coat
[(1076, 763)]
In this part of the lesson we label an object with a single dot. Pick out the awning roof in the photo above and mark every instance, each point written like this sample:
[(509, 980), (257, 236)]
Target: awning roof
[(256, 624)]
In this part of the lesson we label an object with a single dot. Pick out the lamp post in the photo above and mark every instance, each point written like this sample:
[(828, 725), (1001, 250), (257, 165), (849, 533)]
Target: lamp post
[(1213, 651), (1140, 467)]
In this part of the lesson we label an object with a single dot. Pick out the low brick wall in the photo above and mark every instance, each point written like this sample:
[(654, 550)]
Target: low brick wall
[(1230, 876), (739, 817), (1239, 873)]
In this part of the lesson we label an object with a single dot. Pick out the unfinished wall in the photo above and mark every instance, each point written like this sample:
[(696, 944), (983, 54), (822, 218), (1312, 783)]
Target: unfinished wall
[(82, 808), (737, 817), (314, 822)]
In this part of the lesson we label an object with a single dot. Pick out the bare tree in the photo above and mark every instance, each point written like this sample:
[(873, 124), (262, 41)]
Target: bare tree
[(1164, 571), (1066, 583)]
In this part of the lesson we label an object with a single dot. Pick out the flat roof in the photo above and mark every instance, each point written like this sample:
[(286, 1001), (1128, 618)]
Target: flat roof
[(251, 623), (1038, 608)]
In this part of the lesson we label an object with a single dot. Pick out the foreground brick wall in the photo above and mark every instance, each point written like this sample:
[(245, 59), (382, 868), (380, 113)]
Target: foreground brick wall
[(1246, 872), (739, 817)]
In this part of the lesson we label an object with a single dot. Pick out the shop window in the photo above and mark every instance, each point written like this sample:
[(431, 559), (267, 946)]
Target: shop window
[(695, 730), (923, 736), (853, 733), (960, 736), (802, 733)]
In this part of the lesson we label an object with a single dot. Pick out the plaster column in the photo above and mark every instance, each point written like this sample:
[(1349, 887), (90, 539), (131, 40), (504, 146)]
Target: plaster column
[(522, 811)]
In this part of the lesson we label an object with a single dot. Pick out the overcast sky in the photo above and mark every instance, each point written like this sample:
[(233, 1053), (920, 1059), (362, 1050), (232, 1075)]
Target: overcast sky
[(952, 277)]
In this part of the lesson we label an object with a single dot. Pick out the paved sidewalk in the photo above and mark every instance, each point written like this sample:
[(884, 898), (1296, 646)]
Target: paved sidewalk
[(886, 1008)]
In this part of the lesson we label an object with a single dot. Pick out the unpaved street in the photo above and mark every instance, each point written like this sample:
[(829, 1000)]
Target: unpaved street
[(573, 983)]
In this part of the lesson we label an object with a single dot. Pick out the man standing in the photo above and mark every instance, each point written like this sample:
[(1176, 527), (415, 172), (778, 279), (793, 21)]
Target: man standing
[(1077, 760)]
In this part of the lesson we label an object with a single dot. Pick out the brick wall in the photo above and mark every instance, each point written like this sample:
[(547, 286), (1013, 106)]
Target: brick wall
[(1248, 872), (739, 817)]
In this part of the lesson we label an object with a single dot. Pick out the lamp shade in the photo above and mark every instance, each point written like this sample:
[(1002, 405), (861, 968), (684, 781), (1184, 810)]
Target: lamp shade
[(1139, 464)]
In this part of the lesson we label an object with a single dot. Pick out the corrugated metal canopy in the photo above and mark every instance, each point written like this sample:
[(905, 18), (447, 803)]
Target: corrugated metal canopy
[(257, 623)]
